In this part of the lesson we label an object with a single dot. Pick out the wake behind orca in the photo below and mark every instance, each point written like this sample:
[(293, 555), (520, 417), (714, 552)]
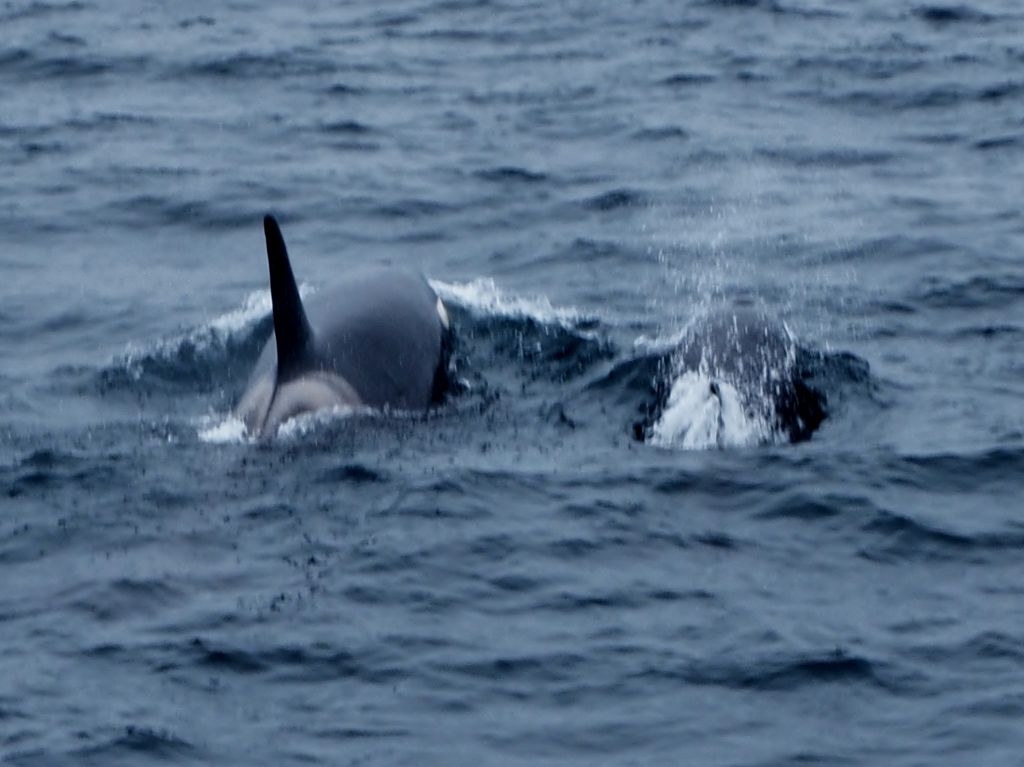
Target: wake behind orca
[(379, 339)]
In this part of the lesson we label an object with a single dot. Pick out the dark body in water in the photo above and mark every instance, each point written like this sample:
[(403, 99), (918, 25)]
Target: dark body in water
[(758, 359), (378, 339)]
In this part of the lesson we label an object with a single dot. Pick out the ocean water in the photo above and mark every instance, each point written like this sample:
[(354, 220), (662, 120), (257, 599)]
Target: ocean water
[(555, 566)]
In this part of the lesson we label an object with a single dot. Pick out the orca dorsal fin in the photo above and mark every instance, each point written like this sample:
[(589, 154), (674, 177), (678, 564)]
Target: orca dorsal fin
[(291, 328)]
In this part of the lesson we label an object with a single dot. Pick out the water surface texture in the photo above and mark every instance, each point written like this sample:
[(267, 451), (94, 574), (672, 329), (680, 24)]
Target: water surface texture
[(515, 578)]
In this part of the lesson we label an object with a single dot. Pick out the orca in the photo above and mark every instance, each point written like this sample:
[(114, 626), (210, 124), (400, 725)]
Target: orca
[(736, 377), (380, 338)]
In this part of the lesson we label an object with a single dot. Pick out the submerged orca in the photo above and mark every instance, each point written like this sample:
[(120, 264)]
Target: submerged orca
[(380, 339), (733, 367)]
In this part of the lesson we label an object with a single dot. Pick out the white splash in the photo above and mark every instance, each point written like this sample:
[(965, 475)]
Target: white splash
[(222, 430), (702, 414), (656, 344), (255, 306), (301, 425), (484, 296)]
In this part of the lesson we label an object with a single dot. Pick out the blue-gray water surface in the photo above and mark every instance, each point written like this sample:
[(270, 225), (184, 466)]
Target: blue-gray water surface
[(514, 577)]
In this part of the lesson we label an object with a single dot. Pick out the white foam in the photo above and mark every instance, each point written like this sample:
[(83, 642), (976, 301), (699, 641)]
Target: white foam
[(222, 429), (255, 306), (645, 344), (304, 423), (482, 295), (697, 418)]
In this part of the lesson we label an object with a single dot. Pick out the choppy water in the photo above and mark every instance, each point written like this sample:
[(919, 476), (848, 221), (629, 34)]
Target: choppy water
[(513, 579)]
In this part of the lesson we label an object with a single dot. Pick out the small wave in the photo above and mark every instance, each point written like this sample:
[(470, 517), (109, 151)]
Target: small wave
[(999, 142), (40, 469), (901, 538), (935, 97), (613, 200), (230, 429), (636, 387), (961, 473), (316, 662), (483, 296), (209, 337), (352, 473), (140, 743), (1006, 90), (346, 127), (511, 174), (17, 12), (45, 471), (774, 7), (222, 430), (952, 14), (974, 293), (258, 66), (565, 95), (64, 67), (168, 211), (688, 79), (793, 673), (986, 645), (989, 331), (15, 57), (667, 133), (37, 148), (119, 598), (868, 65), (527, 668), (256, 305), (807, 507), (106, 121), (786, 672), (827, 158), (226, 344), (302, 425), (525, 339), (197, 21), (344, 89), (413, 208)]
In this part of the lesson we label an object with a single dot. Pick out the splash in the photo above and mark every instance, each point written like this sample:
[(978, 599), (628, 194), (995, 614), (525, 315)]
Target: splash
[(482, 295), (255, 306), (305, 423), (222, 430)]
